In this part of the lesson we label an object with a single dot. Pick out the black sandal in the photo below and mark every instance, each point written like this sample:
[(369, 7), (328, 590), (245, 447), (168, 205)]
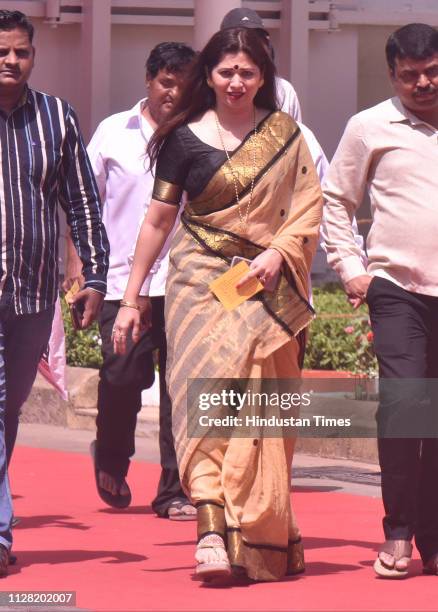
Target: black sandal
[(115, 501)]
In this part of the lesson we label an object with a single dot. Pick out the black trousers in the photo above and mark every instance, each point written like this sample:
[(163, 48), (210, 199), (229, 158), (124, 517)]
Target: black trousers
[(122, 379), (405, 327)]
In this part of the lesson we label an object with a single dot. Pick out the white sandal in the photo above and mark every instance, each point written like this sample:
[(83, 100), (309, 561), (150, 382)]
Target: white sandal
[(398, 549), (212, 559)]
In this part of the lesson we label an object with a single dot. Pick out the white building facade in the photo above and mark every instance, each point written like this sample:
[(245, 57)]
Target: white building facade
[(92, 52)]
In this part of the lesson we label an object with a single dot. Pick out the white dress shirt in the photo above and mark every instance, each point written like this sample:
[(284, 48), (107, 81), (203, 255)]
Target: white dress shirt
[(117, 153), (287, 98)]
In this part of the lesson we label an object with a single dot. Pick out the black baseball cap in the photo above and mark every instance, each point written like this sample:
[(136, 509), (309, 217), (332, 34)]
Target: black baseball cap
[(242, 18)]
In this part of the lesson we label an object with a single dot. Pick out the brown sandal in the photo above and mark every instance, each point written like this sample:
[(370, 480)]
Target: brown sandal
[(431, 567), (398, 549)]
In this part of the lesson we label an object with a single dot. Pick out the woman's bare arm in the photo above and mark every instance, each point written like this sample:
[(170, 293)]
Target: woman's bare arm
[(156, 227)]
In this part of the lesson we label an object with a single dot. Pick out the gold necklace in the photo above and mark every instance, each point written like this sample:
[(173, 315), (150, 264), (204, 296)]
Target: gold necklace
[(243, 218)]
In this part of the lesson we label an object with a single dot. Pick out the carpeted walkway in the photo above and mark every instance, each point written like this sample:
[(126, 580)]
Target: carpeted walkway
[(131, 560)]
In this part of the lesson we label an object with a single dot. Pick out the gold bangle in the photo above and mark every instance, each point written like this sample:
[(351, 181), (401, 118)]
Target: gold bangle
[(129, 304)]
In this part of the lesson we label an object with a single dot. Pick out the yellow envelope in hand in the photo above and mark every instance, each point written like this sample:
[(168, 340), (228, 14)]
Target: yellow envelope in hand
[(225, 289), (72, 292)]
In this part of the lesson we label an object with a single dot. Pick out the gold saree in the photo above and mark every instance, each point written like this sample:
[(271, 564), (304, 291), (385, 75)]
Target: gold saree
[(241, 486)]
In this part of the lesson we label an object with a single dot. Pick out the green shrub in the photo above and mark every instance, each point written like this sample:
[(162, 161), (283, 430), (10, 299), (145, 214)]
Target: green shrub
[(340, 338), (82, 347)]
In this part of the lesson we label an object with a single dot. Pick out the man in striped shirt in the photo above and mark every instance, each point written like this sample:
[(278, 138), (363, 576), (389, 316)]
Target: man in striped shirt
[(43, 162)]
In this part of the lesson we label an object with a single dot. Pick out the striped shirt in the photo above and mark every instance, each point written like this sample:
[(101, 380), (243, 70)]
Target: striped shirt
[(43, 162)]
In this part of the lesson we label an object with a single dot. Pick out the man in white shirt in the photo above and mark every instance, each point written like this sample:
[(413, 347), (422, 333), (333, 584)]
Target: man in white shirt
[(391, 150), (117, 153)]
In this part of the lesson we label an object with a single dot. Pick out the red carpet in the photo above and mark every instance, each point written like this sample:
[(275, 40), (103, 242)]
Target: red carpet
[(132, 560)]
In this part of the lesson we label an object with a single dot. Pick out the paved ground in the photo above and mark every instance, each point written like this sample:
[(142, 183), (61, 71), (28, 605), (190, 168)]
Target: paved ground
[(338, 475)]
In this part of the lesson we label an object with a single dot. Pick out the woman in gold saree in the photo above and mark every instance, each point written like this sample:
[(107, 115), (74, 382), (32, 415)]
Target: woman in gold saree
[(252, 192)]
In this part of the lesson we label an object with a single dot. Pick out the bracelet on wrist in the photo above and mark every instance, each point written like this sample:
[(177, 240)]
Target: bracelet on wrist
[(129, 304)]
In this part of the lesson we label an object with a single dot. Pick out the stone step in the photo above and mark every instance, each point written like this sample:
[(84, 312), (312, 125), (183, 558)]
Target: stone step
[(148, 420), (45, 406)]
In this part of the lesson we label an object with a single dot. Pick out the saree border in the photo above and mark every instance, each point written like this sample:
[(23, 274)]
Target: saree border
[(210, 519), (265, 561), (201, 199), (167, 192)]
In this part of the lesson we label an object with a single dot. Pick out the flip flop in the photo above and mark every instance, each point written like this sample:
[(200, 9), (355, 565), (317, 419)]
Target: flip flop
[(398, 549), (115, 501), (176, 511)]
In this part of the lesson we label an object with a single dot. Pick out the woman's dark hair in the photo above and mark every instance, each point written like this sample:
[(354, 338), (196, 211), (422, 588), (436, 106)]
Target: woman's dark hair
[(15, 20), (197, 97), (417, 41)]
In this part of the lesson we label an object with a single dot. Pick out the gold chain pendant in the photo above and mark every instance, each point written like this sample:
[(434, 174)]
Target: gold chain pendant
[(243, 218)]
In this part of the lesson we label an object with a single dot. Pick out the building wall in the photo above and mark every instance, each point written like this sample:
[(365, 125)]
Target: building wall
[(373, 83), (346, 70), (332, 98), (57, 62)]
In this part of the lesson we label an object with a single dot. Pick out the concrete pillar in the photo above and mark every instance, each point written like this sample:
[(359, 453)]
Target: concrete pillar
[(96, 62), (282, 58), (208, 17), (333, 84), (299, 50)]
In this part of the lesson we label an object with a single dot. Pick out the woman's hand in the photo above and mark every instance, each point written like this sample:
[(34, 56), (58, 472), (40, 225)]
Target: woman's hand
[(266, 267), (127, 318)]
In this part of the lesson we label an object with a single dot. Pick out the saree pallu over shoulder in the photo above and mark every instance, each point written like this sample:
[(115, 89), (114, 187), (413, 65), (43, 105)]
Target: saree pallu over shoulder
[(285, 213)]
